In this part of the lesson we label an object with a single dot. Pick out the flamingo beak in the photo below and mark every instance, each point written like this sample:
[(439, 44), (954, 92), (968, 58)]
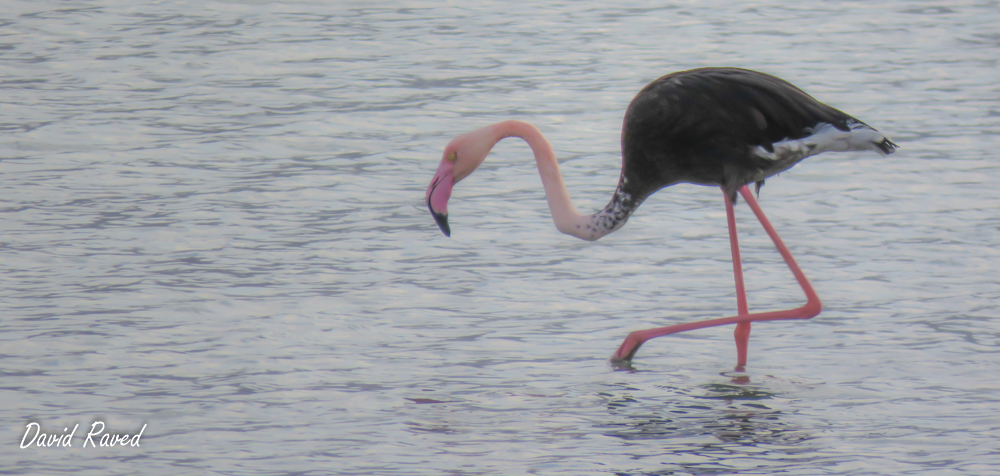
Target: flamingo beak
[(438, 193)]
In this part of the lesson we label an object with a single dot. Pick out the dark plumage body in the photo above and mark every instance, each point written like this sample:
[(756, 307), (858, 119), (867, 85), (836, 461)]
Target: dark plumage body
[(702, 126)]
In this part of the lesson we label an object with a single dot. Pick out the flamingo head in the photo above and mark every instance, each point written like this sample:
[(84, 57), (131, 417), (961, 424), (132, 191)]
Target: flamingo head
[(461, 157)]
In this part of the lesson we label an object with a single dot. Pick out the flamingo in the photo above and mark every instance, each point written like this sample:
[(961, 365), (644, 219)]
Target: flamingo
[(726, 127)]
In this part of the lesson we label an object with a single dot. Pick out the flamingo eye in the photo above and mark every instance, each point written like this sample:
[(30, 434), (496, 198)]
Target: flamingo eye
[(453, 156)]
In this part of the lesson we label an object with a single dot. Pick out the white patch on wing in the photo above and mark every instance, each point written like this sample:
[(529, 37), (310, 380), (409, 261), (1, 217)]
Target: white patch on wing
[(825, 138)]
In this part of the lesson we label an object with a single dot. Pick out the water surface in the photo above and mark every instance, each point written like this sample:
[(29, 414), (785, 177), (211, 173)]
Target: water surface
[(212, 224)]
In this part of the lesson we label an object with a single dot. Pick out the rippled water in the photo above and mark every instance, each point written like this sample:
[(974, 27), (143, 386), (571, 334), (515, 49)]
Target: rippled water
[(212, 224)]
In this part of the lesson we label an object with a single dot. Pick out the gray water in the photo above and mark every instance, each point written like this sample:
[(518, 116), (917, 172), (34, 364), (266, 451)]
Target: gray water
[(213, 225)]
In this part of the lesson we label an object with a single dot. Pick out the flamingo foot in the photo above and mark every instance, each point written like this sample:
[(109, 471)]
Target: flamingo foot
[(742, 335), (622, 358)]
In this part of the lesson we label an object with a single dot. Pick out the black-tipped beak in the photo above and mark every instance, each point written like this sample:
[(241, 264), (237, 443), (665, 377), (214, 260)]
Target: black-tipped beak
[(442, 221), (438, 193)]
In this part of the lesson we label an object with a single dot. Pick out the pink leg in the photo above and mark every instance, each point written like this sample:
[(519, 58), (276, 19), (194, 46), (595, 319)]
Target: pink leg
[(811, 308), (742, 333)]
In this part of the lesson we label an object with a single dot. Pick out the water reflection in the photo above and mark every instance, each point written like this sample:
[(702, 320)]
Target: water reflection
[(703, 429)]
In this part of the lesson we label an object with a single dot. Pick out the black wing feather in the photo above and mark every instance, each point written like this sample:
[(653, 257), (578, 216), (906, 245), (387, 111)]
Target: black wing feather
[(699, 126)]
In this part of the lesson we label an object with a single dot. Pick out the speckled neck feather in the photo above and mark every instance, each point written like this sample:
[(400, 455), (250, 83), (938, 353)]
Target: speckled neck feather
[(564, 214), (613, 216)]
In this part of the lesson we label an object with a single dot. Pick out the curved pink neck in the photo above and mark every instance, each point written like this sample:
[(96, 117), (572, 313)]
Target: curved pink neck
[(564, 214)]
